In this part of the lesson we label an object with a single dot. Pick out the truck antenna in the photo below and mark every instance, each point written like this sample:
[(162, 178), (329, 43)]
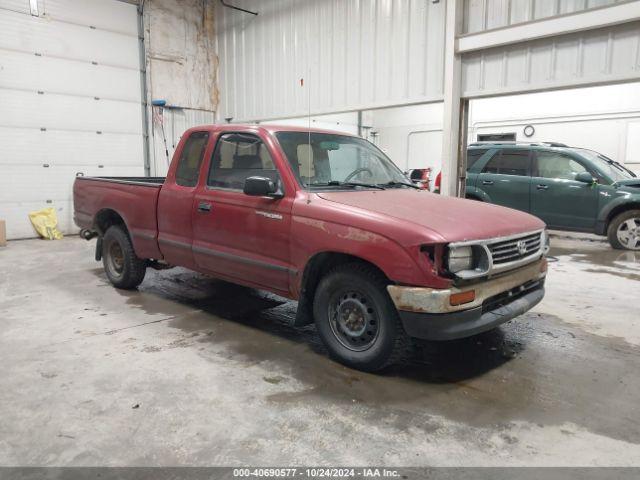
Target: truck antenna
[(309, 155)]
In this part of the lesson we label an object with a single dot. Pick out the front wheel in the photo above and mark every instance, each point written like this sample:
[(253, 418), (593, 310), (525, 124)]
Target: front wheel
[(624, 231), (356, 319), (121, 264)]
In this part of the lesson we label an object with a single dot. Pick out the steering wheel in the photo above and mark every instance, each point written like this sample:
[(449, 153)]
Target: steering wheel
[(356, 172)]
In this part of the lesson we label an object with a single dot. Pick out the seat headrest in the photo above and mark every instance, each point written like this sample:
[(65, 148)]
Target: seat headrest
[(306, 164), (247, 161)]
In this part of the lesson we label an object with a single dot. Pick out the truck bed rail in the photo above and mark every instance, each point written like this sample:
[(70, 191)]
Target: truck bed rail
[(155, 182)]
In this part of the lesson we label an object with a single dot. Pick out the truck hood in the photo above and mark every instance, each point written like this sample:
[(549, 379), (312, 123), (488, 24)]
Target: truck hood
[(454, 219)]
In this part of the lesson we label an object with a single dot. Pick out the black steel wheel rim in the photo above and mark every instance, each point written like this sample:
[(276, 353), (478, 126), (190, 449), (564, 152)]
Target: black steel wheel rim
[(115, 259), (353, 320)]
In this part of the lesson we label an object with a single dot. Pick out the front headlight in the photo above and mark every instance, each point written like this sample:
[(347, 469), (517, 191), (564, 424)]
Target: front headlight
[(459, 259), (468, 261)]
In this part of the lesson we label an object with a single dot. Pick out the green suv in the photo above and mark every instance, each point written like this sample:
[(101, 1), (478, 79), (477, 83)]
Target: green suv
[(568, 188)]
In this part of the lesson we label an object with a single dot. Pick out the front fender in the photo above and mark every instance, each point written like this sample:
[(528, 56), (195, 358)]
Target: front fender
[(398, 263), (628, 200)]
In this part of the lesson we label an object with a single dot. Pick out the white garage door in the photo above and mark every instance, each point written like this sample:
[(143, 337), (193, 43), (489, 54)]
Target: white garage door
[(70, 102)]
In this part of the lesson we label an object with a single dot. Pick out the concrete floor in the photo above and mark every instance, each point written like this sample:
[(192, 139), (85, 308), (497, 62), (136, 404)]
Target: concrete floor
[(188, 370)]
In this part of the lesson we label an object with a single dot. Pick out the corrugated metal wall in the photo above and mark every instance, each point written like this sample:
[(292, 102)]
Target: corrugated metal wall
[(354, 54), (480, 15), (606, 55)]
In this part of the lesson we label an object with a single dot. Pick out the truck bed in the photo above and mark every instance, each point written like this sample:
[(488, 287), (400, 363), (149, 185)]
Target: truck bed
[(135, 200)]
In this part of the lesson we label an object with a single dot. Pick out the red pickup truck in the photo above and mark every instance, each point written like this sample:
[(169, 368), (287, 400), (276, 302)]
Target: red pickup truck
[(328, 220)]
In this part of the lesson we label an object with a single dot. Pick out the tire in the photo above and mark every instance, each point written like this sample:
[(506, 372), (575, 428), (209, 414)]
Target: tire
[(373, 337), (121, 264), (624, 231)]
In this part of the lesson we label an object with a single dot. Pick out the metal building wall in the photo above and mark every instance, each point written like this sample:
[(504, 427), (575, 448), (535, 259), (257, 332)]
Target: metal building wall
[(353, 54), (480, 15), (600, 56)]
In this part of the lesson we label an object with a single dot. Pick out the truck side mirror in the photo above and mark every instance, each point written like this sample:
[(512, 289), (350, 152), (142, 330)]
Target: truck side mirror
[(262, 187), (585, 177)]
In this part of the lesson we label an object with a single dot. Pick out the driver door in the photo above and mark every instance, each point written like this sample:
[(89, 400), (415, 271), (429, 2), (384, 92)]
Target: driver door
[(557, 198), (236, 236)]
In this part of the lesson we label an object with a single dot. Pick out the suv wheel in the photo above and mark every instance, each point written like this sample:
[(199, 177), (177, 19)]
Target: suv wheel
[(624, 231), (123, 268), (356, 320)]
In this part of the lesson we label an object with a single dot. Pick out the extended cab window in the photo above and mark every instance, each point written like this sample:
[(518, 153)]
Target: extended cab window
[(509, 162), (237, 157), (188, 168), (558, 165)]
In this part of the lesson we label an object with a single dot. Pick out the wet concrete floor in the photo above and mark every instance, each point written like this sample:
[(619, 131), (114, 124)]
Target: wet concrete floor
[(190, 370)]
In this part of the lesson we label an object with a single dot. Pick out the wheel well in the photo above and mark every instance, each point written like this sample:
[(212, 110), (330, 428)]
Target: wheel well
[(106, 218), (471, 196), (618, 210), (315, 269)]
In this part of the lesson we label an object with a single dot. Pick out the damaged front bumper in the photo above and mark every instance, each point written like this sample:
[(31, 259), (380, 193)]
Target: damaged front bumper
[(432, 314)]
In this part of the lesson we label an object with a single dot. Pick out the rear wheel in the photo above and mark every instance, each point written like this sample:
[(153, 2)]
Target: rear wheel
[(624, 231), (123, 268), (357, 321)]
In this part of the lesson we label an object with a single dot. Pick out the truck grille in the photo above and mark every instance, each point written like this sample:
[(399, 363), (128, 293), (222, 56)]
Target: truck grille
[(514, 249)]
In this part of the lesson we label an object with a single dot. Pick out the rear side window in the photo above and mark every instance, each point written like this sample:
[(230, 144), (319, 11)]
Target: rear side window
[(558, 165), (188, 168), (509, 162), (237, 157), (473, 156)]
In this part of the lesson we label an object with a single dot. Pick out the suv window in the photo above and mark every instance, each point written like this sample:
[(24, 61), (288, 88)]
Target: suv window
[(237, 157), (188, 168), (509, 162), (474, 155), (557, 165)]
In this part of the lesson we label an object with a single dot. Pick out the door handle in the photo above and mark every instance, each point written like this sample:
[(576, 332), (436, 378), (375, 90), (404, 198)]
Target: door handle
[(204, 207), (542, 187), (487, 182)]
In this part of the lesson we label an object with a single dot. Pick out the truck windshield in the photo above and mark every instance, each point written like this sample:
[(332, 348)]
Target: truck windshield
[(322, 160), (609, 168)]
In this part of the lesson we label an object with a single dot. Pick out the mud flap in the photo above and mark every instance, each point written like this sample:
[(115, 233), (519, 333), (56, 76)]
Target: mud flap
[(304, 312), (99, 249)]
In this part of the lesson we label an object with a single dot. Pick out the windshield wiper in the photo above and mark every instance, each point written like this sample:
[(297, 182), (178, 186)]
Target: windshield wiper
[(617, 165), (338, 183), (393, 183)]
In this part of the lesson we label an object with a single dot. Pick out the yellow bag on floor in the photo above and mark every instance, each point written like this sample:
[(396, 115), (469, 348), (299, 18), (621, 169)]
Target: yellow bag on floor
[(45, 222)]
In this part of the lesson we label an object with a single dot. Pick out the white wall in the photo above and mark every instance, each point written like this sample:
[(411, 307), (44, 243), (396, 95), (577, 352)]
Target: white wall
[(411, 136), (605, 119), (352, 54), (340, 122), (488, 14)]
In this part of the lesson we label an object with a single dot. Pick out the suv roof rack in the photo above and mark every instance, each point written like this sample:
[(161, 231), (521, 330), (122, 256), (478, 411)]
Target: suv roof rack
[(511, 142)]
